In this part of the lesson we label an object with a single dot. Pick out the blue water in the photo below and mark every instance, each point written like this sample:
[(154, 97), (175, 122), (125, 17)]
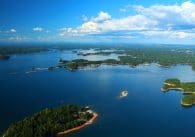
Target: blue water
[(146, 112)]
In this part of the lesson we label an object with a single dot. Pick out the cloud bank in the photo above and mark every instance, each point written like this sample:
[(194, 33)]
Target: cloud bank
[(163, 21)]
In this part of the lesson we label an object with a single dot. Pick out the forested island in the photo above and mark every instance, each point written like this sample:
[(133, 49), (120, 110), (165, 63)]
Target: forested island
[(185, 87), (80, 63), (52, 122)]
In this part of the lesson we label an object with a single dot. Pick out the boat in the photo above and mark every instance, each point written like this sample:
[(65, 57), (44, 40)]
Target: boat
[(123, 94)]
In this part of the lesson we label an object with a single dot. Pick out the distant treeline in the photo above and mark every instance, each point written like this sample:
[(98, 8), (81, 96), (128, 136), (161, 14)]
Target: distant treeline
[(128, 55), (23, 49), (133, 56), (8, 50)]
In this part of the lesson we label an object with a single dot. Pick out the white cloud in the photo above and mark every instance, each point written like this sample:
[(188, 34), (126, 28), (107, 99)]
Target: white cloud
[(181, 35), (167, 34), (168, 21), (38, 29), (102, 16), (103, 23), (18, 38), (13, 30)]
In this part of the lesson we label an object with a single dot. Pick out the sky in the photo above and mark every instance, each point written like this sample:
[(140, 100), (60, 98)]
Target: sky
[(112, 21)]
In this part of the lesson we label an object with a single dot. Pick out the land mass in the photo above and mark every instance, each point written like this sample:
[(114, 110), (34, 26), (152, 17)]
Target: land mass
[(185, 87), (80, 63), (132, 56), (165, 56), (53, 122)]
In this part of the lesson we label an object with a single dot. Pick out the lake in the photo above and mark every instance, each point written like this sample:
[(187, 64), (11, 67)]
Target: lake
[(146, 112)]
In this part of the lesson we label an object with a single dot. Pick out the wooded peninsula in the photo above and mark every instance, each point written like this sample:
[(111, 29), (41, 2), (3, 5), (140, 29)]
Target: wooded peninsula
[(188, 88), (52, 122)]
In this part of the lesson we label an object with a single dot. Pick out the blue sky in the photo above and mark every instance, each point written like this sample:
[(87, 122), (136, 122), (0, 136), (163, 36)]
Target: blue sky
[(128, 21)]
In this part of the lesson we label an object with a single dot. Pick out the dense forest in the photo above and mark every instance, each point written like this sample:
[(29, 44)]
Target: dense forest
[(49, 122), (9, 50), (80, 63)]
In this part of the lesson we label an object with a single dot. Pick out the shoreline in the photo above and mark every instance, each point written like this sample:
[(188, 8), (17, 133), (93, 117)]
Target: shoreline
[(186, 104), (178, 89), (95, 115)]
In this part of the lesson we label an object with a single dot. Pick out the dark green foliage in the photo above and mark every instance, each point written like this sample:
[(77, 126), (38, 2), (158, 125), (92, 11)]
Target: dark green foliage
[(72, 66), (110, 61), (134, 56), (175, 83), (186, 87), (189, 99), (21, 49), (172, 83), (48, 122), (129, 55), (79, 63)]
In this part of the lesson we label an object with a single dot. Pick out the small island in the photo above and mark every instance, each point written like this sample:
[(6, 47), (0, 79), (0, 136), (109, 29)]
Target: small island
[(185, 87), (53, 122)]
